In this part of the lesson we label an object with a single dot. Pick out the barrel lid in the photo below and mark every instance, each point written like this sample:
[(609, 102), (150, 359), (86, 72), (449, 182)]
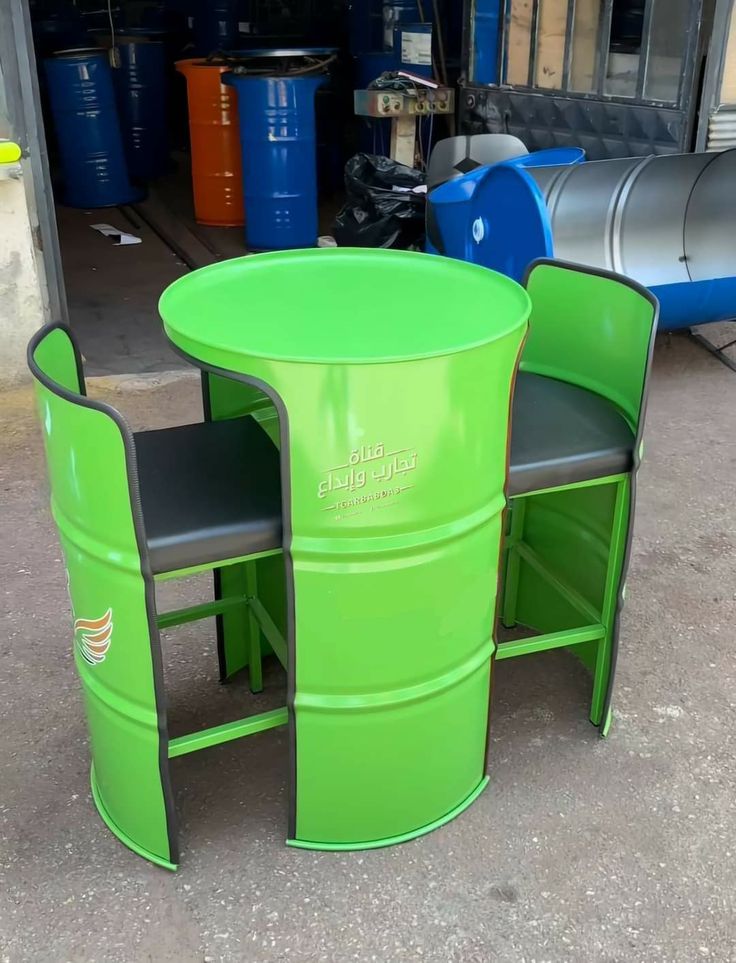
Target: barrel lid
[(221, 62), (280, 63), (75, 52), (270, 52), (131, 36), (155, 33), (233, 59), (340, 305)]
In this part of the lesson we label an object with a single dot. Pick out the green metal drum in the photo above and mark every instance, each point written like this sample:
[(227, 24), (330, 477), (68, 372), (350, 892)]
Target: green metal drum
[(391, 374), (111, 592)]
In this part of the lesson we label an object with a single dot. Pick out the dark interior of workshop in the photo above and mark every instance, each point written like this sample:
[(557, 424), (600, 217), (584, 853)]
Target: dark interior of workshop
[(128, 214)]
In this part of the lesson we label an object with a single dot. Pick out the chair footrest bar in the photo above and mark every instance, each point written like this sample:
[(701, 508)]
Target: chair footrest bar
[(196, 612), (274, 638), (227, 732), (573, 597), (553, 640)]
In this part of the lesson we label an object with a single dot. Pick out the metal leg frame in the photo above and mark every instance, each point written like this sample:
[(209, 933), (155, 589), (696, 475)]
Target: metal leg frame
[(517, 510), (245, 611), (719, 353), (599, 624), (236, 637)]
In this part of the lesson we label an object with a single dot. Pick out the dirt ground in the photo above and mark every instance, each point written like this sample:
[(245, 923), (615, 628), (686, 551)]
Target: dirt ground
[(580, 849)]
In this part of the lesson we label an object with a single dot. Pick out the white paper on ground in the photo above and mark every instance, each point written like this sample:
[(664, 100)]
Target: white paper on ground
[(419, 189), (122, 237)]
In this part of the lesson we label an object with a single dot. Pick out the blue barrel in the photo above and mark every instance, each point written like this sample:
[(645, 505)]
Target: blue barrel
[(455, 209), (365, 26), (279, 147), (396, 12), (141, 89), (664, 220), (87, 130), (215, 26)]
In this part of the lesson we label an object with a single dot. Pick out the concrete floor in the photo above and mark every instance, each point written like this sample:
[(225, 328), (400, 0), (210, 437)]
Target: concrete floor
[(580, 850), (113, 291)]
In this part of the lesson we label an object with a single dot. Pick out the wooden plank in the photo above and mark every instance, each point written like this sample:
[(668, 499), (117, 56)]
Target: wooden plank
[(519, 42), (551, 32), (173, 232), (728, 86), (585, 45)]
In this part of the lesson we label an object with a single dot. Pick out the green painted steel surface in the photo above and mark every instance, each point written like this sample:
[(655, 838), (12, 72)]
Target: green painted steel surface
[(225, 398), (56, 358), (322, 308), (567, 548), (392, 374), (592, 330), (404, 837), (114, 642), (227, 732)]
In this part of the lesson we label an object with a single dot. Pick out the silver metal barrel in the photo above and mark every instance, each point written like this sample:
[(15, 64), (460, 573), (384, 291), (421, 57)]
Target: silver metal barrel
[(662, 220)]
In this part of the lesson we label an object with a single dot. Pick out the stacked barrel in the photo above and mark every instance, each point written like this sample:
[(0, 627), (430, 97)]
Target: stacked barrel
[(251, 117), (217, 179)]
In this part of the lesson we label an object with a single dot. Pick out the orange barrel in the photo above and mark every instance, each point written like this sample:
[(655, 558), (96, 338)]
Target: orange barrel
[(217, 179)]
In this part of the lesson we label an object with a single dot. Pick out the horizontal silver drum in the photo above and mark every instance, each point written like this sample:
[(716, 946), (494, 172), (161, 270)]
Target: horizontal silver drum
[(662, 220)]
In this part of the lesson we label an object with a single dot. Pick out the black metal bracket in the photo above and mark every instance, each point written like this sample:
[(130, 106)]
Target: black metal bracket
[(717, 352)]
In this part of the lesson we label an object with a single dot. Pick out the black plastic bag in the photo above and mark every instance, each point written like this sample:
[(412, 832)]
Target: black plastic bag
[(381, 208)]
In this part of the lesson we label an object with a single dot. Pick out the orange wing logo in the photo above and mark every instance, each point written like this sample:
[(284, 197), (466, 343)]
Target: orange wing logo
[(93, 636)]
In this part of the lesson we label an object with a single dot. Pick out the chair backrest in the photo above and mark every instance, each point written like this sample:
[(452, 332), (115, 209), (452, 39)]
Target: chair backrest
[(90, 455), (594, 329), (95, 501), (455, 156)]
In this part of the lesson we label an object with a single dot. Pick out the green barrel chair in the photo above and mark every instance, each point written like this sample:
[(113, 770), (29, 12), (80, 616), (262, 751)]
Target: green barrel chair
[(133, 509), (576, 443)]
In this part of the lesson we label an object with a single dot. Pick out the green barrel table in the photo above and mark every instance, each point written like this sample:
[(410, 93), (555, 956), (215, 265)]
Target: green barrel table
[(391, 376)]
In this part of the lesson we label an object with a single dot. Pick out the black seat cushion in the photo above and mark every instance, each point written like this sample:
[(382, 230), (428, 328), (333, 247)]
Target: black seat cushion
[(209, 492), (562, 434)]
